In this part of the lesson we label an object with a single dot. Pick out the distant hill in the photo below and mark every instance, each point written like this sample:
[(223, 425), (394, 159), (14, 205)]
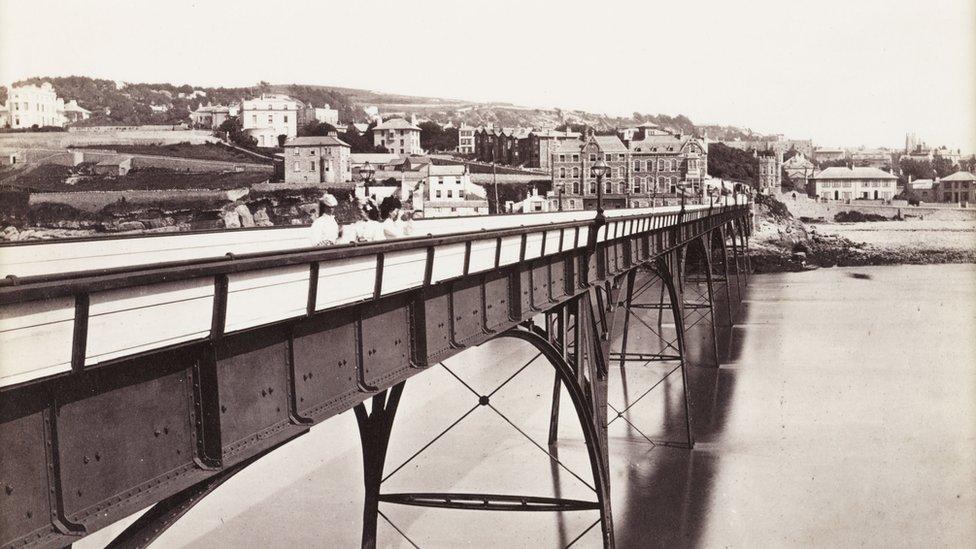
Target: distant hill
[(131, 104)]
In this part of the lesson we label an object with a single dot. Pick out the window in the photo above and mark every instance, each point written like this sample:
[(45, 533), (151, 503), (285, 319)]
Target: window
[(576, 172), (660, 165), (637, 184), (592, 187), (575, 158), (311, 152), (270, 118), (295, 152), (254, 119), (286, 119), (622, 187), (608, 187), (461, 193), (437, 193), (562, 172), (607, 157), (311, 166), (592, 158), (562, 158), (621, 157), (576, 188), (637, 165), (572, 203), (297, 167), (450, 193)]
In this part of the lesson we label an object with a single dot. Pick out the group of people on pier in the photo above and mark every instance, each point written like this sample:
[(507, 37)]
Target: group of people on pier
[(375, 222)]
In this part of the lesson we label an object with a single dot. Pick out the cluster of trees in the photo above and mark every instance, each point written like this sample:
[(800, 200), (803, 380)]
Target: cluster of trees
[(233, 130), (435, 138), (925, 169), (730, 163)]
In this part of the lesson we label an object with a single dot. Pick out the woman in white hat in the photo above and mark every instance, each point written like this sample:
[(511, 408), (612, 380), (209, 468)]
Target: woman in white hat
[(325, 229)]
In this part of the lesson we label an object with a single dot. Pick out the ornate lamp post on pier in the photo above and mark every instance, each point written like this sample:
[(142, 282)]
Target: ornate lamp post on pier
[(599, 169), (367, 172)]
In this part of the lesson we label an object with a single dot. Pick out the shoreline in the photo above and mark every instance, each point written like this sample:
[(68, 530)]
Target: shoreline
[(765, 260)]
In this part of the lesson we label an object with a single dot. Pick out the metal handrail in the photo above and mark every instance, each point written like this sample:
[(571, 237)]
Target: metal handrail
[(16, 290)]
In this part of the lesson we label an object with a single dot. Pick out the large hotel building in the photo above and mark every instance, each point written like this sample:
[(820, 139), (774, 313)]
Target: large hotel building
[(651, 169)]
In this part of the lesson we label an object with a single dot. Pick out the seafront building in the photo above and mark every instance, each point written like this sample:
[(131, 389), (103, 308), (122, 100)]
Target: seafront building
[(858, 183), (770, 172), (31, 105), (959, 188), (654, 169)]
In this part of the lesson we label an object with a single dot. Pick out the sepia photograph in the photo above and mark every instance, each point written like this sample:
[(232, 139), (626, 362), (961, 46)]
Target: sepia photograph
[(487, 274)]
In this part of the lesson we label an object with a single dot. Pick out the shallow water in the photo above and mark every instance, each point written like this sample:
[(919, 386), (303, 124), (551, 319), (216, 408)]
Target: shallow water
[(844, 414)]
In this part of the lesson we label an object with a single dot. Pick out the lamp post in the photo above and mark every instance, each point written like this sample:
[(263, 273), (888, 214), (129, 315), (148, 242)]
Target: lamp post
[(599, 169), (367, 171)]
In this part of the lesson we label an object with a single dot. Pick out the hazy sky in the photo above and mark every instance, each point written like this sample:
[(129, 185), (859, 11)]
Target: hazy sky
[(845, 72)]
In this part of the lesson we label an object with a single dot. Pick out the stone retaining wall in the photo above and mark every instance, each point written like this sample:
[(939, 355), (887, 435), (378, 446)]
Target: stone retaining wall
[(806, 207)]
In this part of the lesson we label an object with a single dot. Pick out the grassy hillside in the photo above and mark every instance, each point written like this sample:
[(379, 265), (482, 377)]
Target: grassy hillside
[(129, 104)]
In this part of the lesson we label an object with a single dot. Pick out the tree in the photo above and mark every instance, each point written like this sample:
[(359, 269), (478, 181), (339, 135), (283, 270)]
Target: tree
[(942, 166), (730, 163), (916, 169), (435, 138), (317, 128), (360, 143), (234, 132)]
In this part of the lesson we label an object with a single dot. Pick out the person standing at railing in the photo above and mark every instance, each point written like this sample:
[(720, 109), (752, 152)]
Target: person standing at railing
[(325, 229), (393, 225), (367, 228)]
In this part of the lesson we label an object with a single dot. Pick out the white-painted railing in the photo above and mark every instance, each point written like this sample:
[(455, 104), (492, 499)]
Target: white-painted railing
[(37, 337)]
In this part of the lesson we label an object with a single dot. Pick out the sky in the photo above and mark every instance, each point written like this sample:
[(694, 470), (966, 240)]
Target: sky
[(843, 73)]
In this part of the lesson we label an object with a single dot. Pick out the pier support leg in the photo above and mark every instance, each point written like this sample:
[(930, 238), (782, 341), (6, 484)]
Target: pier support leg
[(374, 432)]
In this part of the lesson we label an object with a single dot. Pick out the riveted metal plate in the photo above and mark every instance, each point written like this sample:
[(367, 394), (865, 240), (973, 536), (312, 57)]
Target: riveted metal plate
[(525, 291), (497, 295), (119, 442), (540, 284), (25, 503), (436, 330), (467, 310), (324, 351), (557, 273), (252, 380), (385, 337)]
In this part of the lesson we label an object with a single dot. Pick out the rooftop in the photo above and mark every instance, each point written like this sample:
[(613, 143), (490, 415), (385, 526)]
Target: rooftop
[(316, 141), (960, 176), (841, 172), (396, 124), (610, 143)]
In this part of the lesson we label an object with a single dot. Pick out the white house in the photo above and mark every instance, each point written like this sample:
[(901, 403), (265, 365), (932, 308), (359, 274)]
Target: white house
[(858, 183), (447, 191), (31, 105), (398, 136), (269, 116), (326, 114)]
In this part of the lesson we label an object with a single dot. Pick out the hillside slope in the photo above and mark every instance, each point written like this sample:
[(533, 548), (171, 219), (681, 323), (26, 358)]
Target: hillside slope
[(130, 104)]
